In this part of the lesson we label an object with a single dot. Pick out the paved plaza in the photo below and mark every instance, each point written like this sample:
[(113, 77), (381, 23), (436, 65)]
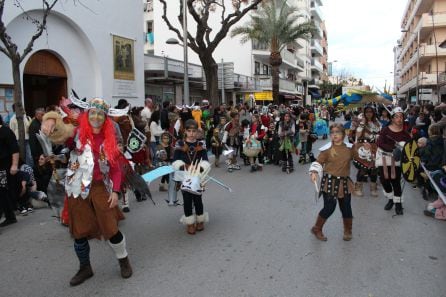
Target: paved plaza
[(258, 243)]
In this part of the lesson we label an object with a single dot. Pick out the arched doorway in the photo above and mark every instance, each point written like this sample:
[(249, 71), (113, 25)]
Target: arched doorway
[(44, 81)]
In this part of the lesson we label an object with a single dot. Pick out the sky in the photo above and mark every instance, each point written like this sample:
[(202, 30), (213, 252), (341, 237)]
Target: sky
[(361, 37)]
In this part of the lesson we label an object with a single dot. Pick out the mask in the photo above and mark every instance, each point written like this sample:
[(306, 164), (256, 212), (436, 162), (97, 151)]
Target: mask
[(96, 118)]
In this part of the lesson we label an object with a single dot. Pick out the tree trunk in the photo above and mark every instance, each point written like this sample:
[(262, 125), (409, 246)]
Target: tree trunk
[(18, 105), (210, 68), (275, 60)]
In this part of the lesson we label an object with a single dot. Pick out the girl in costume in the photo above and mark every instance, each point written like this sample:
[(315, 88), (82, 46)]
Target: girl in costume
[(392, 137), (92, 183), (286, 133), (367, 132), (333, 166), (232, 140), (189, 153)]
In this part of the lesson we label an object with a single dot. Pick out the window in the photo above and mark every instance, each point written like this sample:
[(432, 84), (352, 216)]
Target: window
[(257, 68), (265, 69)]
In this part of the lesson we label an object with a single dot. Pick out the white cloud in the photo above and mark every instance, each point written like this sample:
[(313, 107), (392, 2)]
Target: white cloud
[(361, 37)]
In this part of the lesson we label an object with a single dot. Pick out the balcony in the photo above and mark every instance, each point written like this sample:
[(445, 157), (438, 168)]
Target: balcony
[(285, 86), (318, 34), (316, 48), (316, 66), (166, 65), (316, 12), (424, 79)]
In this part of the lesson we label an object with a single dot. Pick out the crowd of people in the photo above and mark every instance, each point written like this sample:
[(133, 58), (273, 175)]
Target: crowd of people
[(104, 148)]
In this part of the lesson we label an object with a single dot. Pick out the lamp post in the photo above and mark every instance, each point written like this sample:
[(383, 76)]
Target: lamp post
[(418, 64), (186, 98)]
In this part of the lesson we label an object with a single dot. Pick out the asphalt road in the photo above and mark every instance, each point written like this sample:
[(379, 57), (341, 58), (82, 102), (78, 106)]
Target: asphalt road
[(257, 243)]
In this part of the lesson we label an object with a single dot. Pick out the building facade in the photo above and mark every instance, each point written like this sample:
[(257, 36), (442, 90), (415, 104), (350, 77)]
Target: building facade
[(93, 50), (249, 73), (421, 60)]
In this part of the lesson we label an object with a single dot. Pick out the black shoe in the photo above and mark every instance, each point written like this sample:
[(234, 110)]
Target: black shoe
[(8, 222), (398, 209), (429, 213), (126, 209), (138, 196), (253, 168), (389, 205)]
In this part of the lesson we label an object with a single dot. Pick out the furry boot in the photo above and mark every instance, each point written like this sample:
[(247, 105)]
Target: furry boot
[(373, 189), (358, 190), (190, 224), (201, 219)]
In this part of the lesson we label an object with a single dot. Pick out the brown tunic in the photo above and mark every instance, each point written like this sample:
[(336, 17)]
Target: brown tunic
[(336, 163)]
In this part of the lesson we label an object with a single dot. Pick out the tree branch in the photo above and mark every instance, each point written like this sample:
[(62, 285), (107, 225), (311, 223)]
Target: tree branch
[(40, 28)]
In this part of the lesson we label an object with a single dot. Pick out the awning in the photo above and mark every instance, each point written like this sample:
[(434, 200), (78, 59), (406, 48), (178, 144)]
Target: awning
[(261, 96), (289, 96), (314, 93)]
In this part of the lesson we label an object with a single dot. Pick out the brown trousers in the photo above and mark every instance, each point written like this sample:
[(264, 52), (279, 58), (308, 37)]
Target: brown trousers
[(92, 217)]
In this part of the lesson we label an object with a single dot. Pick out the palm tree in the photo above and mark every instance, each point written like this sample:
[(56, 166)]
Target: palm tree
[(275, 25)]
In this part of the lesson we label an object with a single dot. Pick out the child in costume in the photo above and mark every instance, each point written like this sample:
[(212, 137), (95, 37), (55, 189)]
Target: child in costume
[(217, 146), (164, 156), (333, 166), (191, 156)]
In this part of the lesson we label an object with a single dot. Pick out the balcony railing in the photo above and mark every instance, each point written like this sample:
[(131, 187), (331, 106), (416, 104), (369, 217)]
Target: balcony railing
[(316, 47), (316, 65), (284, 85), (316, 12)]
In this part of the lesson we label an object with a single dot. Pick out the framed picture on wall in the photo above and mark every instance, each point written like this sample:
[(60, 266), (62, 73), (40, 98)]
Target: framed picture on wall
[(123, 58)]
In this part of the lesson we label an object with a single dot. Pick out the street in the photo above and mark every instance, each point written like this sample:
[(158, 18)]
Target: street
[(257, 243)]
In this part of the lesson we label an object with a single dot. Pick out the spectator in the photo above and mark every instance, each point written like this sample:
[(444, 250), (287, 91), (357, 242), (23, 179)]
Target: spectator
[(146, 113), (34, 128), (9, 161), (13, 124), (164, 116)]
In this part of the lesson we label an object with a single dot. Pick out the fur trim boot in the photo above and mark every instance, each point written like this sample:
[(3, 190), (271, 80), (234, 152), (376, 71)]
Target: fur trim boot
[(358, 190), (317, 228), (201, 219), (122, 255), (190, 223), (347, 229), (389, 204), (373, 189)]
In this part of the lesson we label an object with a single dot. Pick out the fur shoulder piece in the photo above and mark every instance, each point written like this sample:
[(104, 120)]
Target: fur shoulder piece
[(328, 146), (62, 131)]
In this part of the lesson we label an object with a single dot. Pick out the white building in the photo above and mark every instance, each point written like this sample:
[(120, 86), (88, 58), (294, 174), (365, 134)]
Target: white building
[(250, 61), (96, 50)]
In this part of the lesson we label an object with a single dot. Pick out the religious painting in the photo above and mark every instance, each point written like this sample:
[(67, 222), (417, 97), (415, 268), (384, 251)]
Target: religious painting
[(123, 58)]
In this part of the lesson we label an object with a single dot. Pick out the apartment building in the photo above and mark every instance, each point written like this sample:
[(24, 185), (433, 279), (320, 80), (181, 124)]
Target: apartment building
[(247, 72), (420, 58)]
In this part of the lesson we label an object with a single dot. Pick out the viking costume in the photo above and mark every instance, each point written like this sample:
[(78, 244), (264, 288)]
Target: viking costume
[(366, 132), (333, 166), (191, 157), (388, 162), (93, 174)]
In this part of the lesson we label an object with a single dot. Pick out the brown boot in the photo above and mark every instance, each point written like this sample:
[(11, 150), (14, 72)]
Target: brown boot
[(191, 229), (126, 269), (348, 229), (84, 273), (201, 219), (358, 189), (374, 189), (317, 228)]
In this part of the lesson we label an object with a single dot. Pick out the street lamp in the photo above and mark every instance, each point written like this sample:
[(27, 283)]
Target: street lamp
[(186, 99), (418, 62)]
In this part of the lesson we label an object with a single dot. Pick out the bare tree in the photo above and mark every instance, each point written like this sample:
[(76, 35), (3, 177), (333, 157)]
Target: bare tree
[(203, 43), (10, 49)]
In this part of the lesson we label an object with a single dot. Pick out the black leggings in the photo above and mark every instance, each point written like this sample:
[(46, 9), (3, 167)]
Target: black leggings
[(390, 184), (191, 200), (363, 174), (330, 206)]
